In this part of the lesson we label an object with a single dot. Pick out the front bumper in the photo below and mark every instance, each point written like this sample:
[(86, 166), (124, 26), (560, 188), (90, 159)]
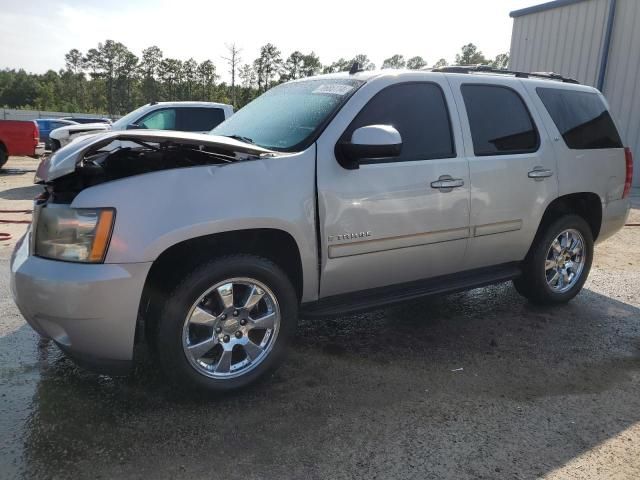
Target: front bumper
[(90, 311)]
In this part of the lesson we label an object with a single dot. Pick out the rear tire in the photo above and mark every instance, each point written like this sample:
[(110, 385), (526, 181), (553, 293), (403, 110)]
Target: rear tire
[(214, 340), (558, 263)]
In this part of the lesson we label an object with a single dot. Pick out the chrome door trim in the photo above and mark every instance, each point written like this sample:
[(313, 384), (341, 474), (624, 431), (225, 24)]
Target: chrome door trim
[(400, 241), (499, 227)]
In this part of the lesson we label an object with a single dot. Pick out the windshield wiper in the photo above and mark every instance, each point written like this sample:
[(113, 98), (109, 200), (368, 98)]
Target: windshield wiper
[(241, 138)]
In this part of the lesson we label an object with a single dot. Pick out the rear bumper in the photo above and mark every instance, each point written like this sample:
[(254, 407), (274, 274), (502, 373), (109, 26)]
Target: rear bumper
[(614, 216), (40, 148), (90, 311)]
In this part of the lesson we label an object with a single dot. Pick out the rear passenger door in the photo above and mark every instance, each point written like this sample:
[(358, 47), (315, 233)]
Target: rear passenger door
[(198, 119), (512, 168)]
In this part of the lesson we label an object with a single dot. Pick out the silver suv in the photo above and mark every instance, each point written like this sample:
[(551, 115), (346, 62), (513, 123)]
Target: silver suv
[(325, 195)]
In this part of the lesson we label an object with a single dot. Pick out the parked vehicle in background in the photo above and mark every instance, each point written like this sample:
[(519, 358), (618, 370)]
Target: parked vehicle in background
[(19, 138), (325, 195), (88, 119), (46, 125), (62, 136), (182, 116)]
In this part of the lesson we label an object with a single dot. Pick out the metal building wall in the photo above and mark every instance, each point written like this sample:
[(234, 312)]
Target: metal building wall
[(566, 40), (621, 84), (569, 39)]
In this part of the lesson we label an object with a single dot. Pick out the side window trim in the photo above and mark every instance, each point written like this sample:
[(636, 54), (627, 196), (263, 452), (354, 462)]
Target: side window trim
[(454, 153), (536, 129)]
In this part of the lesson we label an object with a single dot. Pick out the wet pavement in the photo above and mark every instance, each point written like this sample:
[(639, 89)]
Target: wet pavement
[(473, 385)]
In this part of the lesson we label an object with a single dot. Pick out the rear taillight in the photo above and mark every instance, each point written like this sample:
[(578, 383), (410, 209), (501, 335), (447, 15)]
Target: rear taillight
[(628, 158), (36, 133)]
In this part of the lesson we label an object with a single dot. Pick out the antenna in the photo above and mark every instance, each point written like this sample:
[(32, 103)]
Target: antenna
[(355, 68)]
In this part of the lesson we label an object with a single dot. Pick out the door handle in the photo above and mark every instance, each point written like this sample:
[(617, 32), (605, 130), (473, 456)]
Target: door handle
[(538, 173), (446, 182)]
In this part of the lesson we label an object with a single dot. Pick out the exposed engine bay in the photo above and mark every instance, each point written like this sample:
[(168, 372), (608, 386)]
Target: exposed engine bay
[(115, 158)]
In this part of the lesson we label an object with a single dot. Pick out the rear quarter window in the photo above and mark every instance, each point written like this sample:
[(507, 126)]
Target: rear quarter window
[(581, 118)]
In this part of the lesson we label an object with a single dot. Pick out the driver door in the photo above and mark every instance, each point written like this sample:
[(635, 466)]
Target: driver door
[(392, 220)]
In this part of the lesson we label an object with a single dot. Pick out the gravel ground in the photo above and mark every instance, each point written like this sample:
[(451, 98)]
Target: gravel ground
[(472, 385)]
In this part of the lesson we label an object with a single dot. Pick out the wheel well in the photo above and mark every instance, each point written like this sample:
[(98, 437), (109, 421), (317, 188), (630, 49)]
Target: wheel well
[(585, 204), (276, 245)]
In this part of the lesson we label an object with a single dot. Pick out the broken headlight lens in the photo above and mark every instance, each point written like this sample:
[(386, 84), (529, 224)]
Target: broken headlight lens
[(73, 234)]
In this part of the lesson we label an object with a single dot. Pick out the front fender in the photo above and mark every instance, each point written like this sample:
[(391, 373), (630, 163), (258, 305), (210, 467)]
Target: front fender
[(157, 210)]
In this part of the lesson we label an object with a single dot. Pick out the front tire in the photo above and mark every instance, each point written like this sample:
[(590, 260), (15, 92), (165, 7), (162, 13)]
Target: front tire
[(558, 263), (227, 323)]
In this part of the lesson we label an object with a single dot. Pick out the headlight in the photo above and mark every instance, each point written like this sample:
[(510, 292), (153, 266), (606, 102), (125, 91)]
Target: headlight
[(73, 234)]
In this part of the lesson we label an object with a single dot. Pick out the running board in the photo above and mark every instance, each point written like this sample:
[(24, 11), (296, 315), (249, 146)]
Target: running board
[(383, 296)]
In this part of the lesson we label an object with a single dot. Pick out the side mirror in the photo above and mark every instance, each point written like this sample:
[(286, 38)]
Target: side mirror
[(134, 126), (369, 143)]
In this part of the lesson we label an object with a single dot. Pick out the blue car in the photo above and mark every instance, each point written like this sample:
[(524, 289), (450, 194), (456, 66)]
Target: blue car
[(45, 125)]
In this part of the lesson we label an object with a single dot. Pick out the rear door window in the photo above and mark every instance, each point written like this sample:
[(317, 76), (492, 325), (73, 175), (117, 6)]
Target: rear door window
[(194, 119), (499, 121), (581, 118)]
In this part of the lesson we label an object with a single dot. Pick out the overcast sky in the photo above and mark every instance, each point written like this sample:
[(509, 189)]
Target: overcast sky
[(35, 34)]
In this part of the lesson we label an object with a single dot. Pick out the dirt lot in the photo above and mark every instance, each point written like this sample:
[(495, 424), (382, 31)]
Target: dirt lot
[(473, 385)]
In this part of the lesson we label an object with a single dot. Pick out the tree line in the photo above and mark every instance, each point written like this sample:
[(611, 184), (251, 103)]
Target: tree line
[(110, 79)]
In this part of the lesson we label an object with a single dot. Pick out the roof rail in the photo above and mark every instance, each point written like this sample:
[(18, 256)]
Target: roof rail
[(504, 71)]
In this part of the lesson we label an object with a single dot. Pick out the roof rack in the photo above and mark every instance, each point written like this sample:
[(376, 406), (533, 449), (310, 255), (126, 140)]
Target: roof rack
[(489, 69)]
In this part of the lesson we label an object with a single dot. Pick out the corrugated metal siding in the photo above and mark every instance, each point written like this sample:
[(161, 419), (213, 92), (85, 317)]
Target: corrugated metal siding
[(566, 40), (569, 40), (623, 75)]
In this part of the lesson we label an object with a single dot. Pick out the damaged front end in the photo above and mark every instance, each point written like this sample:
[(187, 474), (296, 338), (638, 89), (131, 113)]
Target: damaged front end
[(114, 155)]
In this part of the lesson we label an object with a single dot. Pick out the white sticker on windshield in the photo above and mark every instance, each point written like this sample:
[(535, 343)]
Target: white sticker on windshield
[(334, 88)]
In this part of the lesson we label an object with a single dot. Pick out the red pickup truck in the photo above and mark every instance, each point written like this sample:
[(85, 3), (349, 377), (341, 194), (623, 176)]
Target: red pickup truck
[(19, 138)]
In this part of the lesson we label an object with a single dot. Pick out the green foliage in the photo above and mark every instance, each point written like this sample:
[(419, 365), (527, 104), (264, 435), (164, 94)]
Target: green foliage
[(416, 63), (396, 61), (340, 65), (501, 61), (111, 79), (470, 55), (440, 63)]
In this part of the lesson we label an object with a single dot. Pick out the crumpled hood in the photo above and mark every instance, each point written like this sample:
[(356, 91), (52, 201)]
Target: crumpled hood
[(64, 132), (64, 161)]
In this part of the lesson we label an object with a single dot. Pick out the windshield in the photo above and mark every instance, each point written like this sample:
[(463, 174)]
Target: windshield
[(128, 119), (287, 117)]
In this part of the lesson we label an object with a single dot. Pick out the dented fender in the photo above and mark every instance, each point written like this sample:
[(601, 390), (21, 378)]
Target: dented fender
[(157, 210)]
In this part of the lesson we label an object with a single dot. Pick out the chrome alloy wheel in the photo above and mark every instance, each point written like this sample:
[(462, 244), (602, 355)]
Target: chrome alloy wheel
[(565, 261), (231, 328)]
